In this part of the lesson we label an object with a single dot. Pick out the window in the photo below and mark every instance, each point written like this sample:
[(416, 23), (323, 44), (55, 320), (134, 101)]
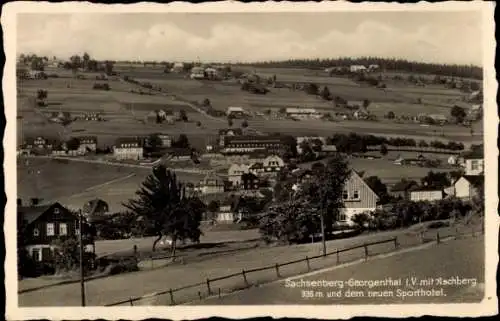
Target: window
[(342, 217), (355, 195), (56, 211), (345, 195), (77, 231), (50, 229), (63, 229), (36, 255), (474, 165), (36, 232)]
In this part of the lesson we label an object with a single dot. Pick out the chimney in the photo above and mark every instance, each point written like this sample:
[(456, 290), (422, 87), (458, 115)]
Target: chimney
[(19, 202), (35, 201)]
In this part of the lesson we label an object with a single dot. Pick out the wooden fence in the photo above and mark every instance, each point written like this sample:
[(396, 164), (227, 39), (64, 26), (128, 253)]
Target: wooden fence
[(208, 283)]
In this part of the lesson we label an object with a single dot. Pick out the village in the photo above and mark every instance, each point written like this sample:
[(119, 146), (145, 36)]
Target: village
[(237, 159)]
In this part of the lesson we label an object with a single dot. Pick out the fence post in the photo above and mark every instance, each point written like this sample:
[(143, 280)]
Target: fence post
[(208, 286), (244, 274), (438, 239), (456, 233), (172, 302), (199, 295), (366, 251), (277, 267), (338, 257), (219, 292), (131, 302), (395, 242), (308, 266)]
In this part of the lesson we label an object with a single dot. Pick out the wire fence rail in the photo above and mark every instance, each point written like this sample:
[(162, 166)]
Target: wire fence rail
[(209, 286)]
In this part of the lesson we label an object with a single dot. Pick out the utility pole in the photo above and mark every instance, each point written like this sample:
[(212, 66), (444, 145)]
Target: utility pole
[(82, 276), (323, 237)]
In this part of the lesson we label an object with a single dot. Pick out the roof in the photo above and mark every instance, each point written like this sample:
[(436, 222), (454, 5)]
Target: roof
[(475, 180), (235, 109), (92, 138), (253, 139), (32, 213), (475, 154), (437, 116), (128, 140), (257, 165)]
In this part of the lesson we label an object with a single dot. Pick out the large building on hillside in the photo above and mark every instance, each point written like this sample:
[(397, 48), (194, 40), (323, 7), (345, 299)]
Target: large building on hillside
[(128, 148), (248, 144)]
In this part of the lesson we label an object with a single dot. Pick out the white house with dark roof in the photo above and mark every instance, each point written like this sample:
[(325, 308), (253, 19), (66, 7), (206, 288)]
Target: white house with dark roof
[(128, 148), (357, 198)]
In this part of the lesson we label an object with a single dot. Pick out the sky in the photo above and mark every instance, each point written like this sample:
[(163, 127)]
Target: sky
[(441, 37)]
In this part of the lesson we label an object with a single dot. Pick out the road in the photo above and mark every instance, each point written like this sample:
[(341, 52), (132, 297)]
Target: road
[(458, 258)]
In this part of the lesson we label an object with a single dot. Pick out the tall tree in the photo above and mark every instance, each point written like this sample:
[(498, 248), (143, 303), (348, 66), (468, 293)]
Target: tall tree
[(163, 204), (324, 192)]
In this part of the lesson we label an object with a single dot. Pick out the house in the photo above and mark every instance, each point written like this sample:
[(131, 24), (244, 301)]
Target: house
[(250, 181), (197, 73), (256, 168), (303, 113), (468, 186), (438, 118), (246, 144), (178, 67), (128, 148), (211, 73), (373, 67), (235, 173), (236, 112), (403, 189), (211, 184), (361, 113), (357, 68), (230, 132), (328, 150), (43, 224), (427, 194), (273, 163), (474, 163), (87, 144), (166, 140), (452, 160), (357, 198)]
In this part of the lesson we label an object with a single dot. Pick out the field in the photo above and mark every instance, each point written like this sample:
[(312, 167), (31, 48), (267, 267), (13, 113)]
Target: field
[(125, 111), (54, 180), (125, 114)]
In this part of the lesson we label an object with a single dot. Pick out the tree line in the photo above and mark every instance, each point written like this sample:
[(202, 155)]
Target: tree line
[(454, 70)]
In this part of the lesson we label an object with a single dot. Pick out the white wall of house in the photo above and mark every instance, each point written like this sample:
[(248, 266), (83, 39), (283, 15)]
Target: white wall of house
[(273, 162), (234, 173), (426, 195), (464, 189), (474, 166), (133, 153)]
